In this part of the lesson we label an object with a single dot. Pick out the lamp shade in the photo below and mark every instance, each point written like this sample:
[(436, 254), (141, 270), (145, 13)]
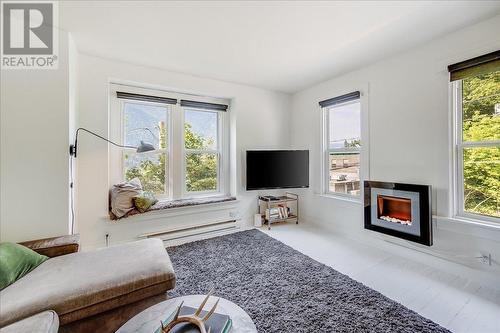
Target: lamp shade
[(144, 147)]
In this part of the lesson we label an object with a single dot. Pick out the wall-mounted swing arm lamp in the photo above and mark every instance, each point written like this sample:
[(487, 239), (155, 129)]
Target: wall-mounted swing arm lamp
[(142, 148)]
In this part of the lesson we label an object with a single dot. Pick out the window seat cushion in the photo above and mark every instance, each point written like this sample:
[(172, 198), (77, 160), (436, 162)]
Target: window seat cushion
[(160, 205)]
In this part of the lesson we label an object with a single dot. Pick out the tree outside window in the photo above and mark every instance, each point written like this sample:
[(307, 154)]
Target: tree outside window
[(480, 146)]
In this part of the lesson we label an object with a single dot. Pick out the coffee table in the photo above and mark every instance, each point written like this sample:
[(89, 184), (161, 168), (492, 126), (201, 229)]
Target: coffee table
[(149, 320)]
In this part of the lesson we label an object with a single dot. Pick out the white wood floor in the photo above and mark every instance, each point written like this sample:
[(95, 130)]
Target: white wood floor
[(453, 301)]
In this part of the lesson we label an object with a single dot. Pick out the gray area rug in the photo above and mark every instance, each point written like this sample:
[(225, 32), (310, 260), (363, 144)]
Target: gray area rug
[(284, 290)]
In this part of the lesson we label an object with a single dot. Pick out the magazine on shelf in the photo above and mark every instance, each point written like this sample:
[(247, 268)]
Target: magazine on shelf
[(272, 213)]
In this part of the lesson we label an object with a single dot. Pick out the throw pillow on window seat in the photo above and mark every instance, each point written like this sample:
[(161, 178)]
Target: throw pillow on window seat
[(122, 196), (16, 261), (144, 201)]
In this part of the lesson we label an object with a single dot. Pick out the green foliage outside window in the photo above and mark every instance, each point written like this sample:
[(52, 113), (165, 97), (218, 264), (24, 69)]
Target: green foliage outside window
[(201, 168), (201, 172), (151, 171), (353, 143), (481, 122), (151, 174)]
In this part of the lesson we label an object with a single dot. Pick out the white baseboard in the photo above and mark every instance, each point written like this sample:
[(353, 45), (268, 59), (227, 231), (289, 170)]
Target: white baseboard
[(198, 237)]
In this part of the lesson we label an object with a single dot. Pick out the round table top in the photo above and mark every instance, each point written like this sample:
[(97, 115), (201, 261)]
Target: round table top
[(149, 320)]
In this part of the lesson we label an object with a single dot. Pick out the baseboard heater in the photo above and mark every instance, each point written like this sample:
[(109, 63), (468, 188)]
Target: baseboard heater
[(203, 229)]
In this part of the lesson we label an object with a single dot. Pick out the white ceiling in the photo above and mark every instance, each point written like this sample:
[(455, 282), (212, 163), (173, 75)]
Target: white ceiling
[(283, 46)]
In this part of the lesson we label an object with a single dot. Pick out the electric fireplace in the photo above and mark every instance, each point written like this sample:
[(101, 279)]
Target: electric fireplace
[(400, 210)]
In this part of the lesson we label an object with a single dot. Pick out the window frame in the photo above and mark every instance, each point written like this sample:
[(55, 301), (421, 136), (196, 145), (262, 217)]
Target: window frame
[(167, 193), (364, 150), (175, 175), (219, 152), (458, 188)]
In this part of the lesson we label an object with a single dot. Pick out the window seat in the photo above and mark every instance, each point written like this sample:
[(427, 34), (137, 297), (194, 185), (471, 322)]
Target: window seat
[(161, 205)]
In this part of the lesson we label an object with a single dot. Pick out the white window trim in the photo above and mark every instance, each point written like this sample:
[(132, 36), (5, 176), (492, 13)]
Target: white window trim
[(364, 150), (222, 153), (457, 188), (168, 151), (175, 141)]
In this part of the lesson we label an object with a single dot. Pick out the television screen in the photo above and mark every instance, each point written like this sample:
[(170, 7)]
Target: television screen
[(268, 169)]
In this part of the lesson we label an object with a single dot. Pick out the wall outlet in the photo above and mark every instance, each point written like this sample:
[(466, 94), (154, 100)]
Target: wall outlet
[(485, 259)]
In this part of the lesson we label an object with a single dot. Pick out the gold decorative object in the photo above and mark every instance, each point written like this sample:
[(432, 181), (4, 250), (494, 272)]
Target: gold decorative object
[(194, 318)]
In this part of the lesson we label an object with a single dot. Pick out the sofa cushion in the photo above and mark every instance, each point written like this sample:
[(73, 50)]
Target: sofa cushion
[(79, 280), (44, 322), (16, 261), (121, 196), (144, 201)]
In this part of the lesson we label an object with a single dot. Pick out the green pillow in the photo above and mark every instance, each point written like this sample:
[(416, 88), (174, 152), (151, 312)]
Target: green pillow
[(16, 261), (145, 200)]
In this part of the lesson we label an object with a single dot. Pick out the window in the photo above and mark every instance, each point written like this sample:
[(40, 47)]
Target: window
[(342, 145), (476, 92), (191, 149), (148, 123), (202, 150)]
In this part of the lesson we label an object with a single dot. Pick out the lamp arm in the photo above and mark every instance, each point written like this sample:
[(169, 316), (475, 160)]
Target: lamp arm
[(145, 129), (73, 148)]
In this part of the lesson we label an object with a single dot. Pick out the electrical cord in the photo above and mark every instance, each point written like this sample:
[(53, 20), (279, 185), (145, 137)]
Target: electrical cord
[(71, 197)]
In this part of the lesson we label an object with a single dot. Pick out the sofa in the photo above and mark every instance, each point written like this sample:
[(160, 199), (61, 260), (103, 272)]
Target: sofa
[(43, 322), (95, 291)]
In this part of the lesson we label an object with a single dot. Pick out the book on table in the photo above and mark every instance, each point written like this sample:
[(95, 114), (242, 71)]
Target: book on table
[(272, 213), (278, 212), (218, 323)]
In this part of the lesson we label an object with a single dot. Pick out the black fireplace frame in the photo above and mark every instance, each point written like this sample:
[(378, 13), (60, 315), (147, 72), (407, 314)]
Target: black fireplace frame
[(425, 204)]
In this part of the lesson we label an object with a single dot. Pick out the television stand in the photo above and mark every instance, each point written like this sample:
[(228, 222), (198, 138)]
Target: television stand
[(278, 209)]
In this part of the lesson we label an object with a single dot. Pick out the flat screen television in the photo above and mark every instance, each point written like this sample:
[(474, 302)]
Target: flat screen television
[(274, 169)]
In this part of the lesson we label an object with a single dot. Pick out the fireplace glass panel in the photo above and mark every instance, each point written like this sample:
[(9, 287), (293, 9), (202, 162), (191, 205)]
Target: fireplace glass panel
[(394, 209), (400, 210)]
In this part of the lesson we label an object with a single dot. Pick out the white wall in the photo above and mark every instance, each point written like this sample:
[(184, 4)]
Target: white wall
[(35, 133), (259, 118), (408, 106), (409, 142)]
